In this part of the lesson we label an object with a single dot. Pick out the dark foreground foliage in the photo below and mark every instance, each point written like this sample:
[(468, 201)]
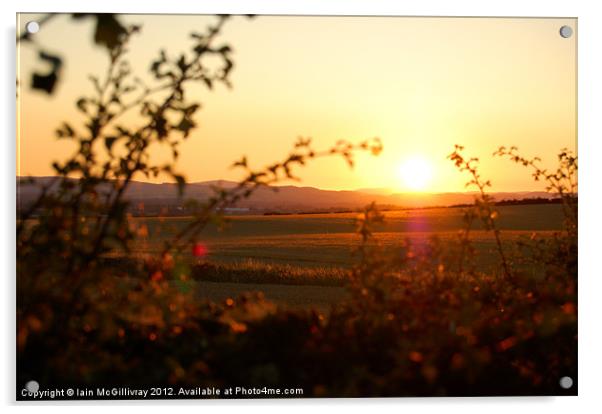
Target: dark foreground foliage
[(420, 322), (424, 333)]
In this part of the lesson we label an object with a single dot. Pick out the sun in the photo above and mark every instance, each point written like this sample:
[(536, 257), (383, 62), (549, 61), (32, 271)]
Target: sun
[(416, 173)]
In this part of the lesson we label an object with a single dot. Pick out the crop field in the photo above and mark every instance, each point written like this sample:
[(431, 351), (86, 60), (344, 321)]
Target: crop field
[(274, 253), (329, 239)]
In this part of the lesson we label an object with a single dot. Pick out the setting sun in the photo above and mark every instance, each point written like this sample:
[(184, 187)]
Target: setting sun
[(416, 173)]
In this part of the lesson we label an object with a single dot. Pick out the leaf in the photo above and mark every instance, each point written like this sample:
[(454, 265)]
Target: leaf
[(208, 82), (192, 109), (109, 141), (228, 65), (160, 125), (186, 125), (47, 82), (200, 49), (54, 60), (81, 104), (65, 131), (108, 31), (182, 65), (241, 163)]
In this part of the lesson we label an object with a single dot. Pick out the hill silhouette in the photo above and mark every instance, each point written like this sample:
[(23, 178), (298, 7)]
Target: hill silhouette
[(286, 199)]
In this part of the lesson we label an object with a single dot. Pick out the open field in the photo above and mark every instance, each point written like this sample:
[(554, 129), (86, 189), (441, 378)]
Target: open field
[(328, 239), (268, 252)]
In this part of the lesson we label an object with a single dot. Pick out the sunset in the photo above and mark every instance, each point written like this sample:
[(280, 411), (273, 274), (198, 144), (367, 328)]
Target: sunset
[(421, 86), (416, 173), (236, 206)]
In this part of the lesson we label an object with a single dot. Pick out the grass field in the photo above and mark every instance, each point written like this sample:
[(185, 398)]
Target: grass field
[(268, 252), (328, 239)]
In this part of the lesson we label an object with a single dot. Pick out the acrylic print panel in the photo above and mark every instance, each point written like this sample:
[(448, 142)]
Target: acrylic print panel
[(295, 206)]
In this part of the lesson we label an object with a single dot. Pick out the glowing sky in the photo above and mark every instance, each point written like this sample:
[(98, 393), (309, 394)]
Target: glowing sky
[(420, 84)]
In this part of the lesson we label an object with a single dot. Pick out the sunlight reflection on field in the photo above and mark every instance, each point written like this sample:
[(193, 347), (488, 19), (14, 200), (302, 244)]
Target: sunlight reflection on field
[(329, 239)]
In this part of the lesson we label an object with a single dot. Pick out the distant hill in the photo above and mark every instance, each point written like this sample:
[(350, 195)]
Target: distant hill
[(283, 198)]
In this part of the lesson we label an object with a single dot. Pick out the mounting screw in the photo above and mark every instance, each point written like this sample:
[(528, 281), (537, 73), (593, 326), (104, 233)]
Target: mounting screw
[(566, 31), (566, 382)]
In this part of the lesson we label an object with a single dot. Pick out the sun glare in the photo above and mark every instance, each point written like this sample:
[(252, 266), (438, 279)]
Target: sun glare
[(416, 173)]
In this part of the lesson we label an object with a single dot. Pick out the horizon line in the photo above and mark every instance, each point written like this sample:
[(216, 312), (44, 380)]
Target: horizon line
[(383, 190)]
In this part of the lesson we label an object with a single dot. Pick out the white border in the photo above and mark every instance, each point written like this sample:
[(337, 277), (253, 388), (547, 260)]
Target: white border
[(590, 136)]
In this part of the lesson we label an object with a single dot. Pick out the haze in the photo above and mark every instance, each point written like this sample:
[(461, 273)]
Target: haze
[(420, 84)]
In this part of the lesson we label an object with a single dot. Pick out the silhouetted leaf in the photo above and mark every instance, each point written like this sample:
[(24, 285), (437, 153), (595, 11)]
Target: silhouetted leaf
[(108, 31), (81, 104), (186, 125), (47, 82), (65, 131), (109, 141), (182, 65)]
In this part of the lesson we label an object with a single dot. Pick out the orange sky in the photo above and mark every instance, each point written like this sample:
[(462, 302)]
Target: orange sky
[(420, 84)]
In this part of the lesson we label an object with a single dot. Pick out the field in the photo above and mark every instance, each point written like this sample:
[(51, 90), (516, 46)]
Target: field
[(302, 260)]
